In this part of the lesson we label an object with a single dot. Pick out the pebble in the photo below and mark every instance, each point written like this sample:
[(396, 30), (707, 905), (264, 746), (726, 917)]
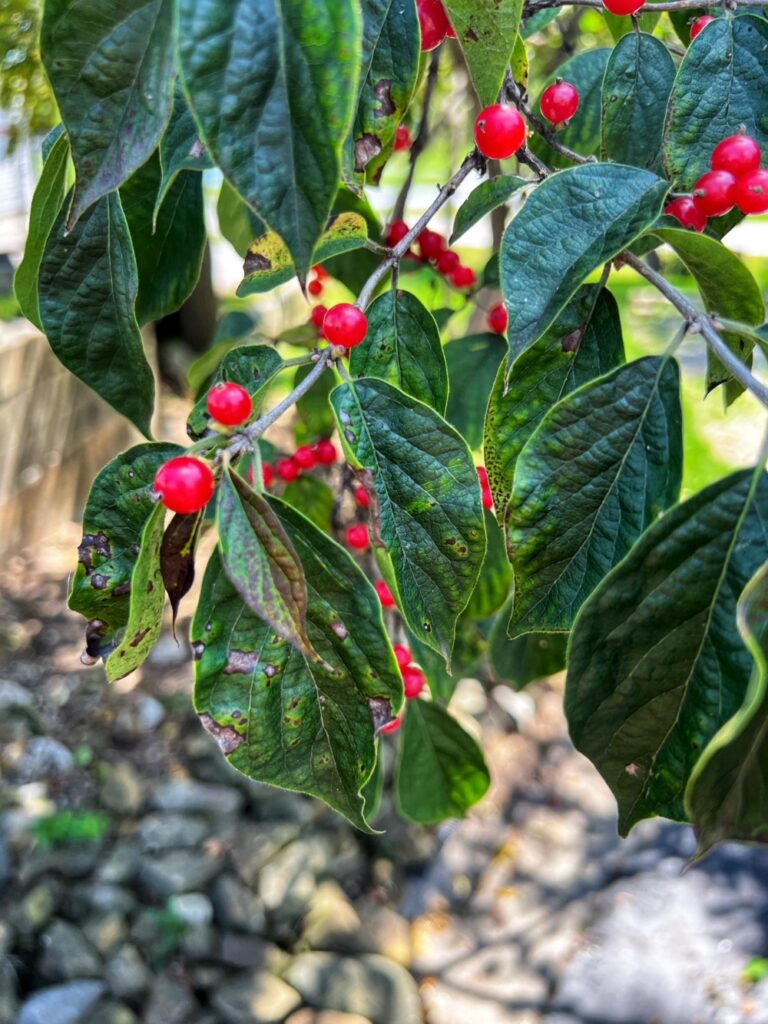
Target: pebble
[(177, 871), (13, 695), (61, 1004), (44, 758), (122, 791), (167, 831), (127, 974), (236, 906), (171, 1002), (67, 955), (255, 997), (197, 797)]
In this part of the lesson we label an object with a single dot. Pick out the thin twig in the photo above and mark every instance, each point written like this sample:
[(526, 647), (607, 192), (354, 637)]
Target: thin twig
[(422, 136), (516, 95), (258, 427)]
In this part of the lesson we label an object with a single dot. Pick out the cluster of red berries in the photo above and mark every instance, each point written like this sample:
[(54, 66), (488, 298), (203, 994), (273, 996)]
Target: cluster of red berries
[(317, 278), (306, 456), (433, 248), (482, 473), (414, 682), (434, 24), (736, 179), (559, 101)]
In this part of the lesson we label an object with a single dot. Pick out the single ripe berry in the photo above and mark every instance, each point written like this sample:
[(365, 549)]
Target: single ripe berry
[(185, 484), (345, 324), (431, 244), (447, 262), (482, 475), (463, 277), (403, 655), (397, 231), (403, 138), (752, 192), (487, 498), (326, 453), (498, 318), (315, 288), (737, 154), (318, 315), (499, 131), (229, 404), (287, 470), (433, 22), (361, 496), (559, 101), (687, 212), (392, 726), (357, 537), (414, 681), (267, 474), (385, 594), (700, 23), (305, 457), (715, 193), (622, 7), (319, 271)]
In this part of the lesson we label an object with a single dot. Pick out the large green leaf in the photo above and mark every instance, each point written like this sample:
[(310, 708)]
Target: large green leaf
[(118, 507), (251, 366), (403, 348), (145, 616), (88, 287), (527, 658), (483, 199), (486, 31), (593, 476), (169, 244), (272, 86), (584, 342), (180, 146), (637, 83), (719, 88), (655, 663), (46, 204), (431, 515), (441, 772), (238, 223), (472, 366), (586, 215), (495, 576), (727, 793), (279, 717), (110, 63), (261, 562), (582, 133)]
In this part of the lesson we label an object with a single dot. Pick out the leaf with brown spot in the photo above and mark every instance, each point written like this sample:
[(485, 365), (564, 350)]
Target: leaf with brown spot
[(177, 557), (486, 31)]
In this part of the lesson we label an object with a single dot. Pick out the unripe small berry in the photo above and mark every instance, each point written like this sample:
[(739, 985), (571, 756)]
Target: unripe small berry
[(326, 452), (463, 277), (752, 192), (185, 484), (687, 212), (305, 457), (397, 231), (403, 138), (499, 131), (392, 726), (385, 594), (318, 315), (414, 681), (737, 154), (559, 102), (623, 7), (358, 538), (403, 655), (229, 403), (498, 318), (345, 324), (715, 193), (431, 244), (698, 24), (287, 470), (315, 288), (447, 262), (361, 496)]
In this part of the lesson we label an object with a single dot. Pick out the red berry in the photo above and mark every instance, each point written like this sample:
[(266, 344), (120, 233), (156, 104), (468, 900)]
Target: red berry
[(752, 192), (447, 262), (185, 484), (318, 315), (402, 138), (385, 594), (392, 726), (357, 537), (463, 277), (326, 453), (361, 496), (451, 33), (700, 23), (319, 271), (414, 681), (498, 318), (305, 457), (622, 7), (397, 232), (559, 102), (737, 154), (431, 244), (315, 288), (715, 193), (433, 22), (499, 131), (482, 474), (267, 474), (345, 324), (229, 404), (687, 212), (403, 655), (487, 498), (287, 470)]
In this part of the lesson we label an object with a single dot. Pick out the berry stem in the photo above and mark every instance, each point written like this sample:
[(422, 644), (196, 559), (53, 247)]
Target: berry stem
[(515, 94)]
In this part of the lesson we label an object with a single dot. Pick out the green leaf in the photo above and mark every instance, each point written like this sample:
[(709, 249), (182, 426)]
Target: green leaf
[(592, 477), (251, 366), (584, 342), (261, 562), (431, 515), (467, 653), (403, 348), (237, 221), (177, 557), (168, 244), (314, 498), (527, 658), (483, 199), (390, 65), (272, 87), (119, 504), (373, 790), (232, 330), (472, 366), (655, 664), (637, 83), (486, 32), (145, 617), (587, 215), (46, 204), (110, 63), (727, 288), (268, 262), (88, 287), (180, 146), (314, 415), (279, 717), (495, 577), (720, 87), (441, 772), (726, 795)]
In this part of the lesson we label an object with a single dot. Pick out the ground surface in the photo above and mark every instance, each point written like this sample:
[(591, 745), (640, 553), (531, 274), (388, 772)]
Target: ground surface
[(208, 899)]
